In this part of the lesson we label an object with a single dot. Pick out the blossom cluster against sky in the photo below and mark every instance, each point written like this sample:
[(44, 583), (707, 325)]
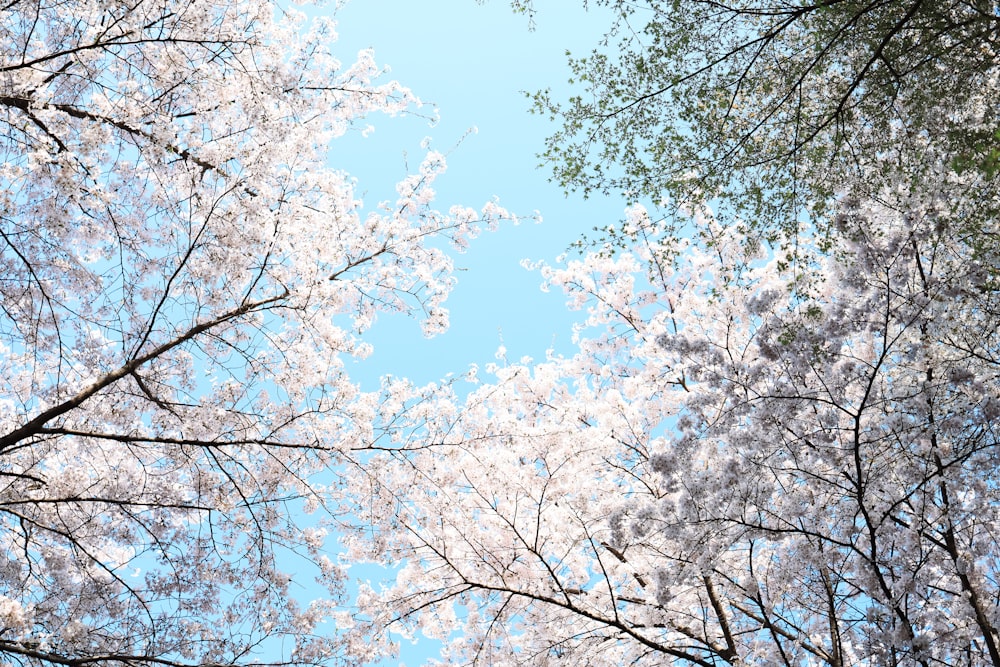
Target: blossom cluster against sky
[(473, 62)]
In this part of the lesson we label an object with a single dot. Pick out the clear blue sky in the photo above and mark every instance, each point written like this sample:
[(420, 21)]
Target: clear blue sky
[(472, 61)]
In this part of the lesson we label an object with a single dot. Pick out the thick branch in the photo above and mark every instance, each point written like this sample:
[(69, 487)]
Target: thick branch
[(34, 426)]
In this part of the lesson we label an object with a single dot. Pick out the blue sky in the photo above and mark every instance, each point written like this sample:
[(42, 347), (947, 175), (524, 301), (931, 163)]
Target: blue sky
[(472, 61)]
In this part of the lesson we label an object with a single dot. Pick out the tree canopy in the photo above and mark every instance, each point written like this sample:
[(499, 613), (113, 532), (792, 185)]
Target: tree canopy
[(731, 470), (774, 107), (182, 275), (752, 457)]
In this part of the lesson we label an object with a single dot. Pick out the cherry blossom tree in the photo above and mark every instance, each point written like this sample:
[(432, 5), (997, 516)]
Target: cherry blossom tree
[(183, 274), (750, 460)]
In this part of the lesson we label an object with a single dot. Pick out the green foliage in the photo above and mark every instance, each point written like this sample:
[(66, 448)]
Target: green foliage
[(773, 108), (983, 156)]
